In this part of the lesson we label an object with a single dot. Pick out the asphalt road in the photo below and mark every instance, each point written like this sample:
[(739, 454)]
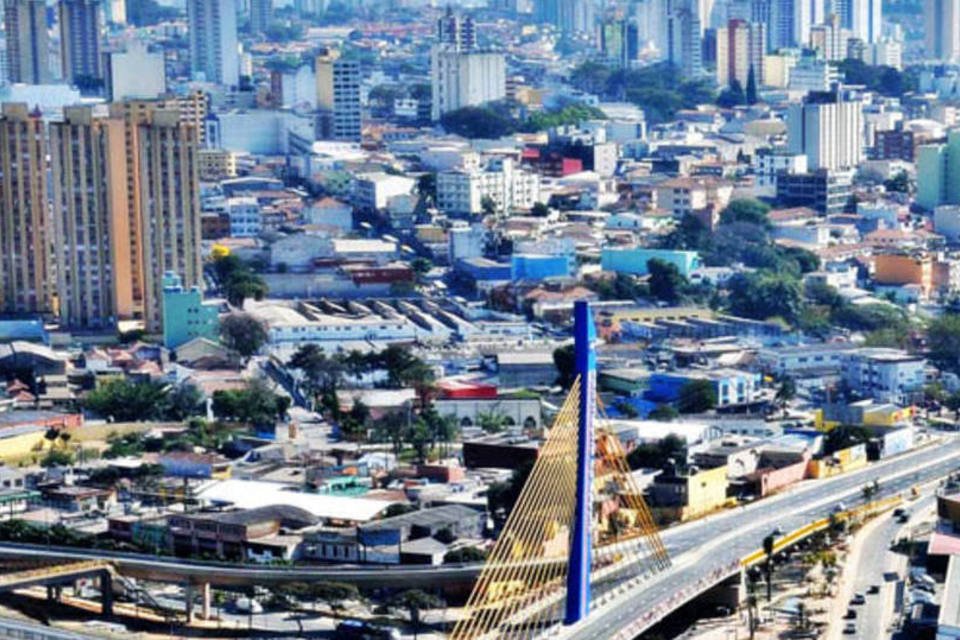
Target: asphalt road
[(713, 546), (703, 551)]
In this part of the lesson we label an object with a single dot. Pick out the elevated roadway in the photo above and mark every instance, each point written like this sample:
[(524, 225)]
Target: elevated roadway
[(704, 552)]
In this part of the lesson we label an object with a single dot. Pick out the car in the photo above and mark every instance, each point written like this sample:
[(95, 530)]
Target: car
[(778, 531), (874, 588), (858, 598), (851, 614), (899, 511), (924, 586), (850, 629)]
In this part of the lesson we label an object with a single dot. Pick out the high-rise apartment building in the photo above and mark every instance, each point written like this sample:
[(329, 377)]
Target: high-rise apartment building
[(568, 16), (261, 15), (135, 73), (169, 207), (741, 47), (620, 41), (827, 126), (684, 42), (214, 53), (943, 29), (25, 242), (830, 40), (28, 44), (864, 18), (938, 173), (90, 219), (339, 116), (790, 22), (191, 109), (462, 75), (80, 39)]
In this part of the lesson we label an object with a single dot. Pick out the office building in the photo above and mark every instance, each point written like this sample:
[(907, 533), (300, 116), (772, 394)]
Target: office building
[(169, 207), (80, 40), (338, 98), (620, 41), (790, 22), (830, 40), (740, 50), (90, 219), (28, 44), (827, 126), (942, 29), (214, 55), (261, 15), (938, 173), (684, 42), (115, 11), (134, 74), (568, 16), (25, 270), (864, 18), (462, 75), (829, 192)]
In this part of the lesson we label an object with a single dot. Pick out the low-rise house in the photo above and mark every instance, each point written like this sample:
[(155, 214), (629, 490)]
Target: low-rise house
[(230, 534)]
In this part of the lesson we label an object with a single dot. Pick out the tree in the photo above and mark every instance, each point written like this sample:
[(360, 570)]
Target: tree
[(751, 86), (663, 413), (732, 96), (502, 496), (665, 280), (415, 601), (57, 458), (185, 401), (748, 210), (243, 333), (464, 555), (421, 266), (478, 122), (564, 358), (765, 295), (237, 281), (952, 403), (333, 593), (488, 205), (256, 404), (390, 428), (654, 455), (121, 400), (769, 542), (943, 336), (786, 391), (539, 210), (900, 183), (696, 396)]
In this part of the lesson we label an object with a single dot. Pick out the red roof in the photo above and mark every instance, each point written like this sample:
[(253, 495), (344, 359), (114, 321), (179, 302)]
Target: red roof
[(465, 389)]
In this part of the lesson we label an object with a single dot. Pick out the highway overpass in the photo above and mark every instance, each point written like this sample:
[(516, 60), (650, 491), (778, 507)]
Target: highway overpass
[(704, 552)]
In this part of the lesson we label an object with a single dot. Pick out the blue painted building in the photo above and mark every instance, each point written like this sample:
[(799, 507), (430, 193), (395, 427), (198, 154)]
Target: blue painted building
[(731, 386), (484, 269), (633, 260), (525, 266), (185, 315)]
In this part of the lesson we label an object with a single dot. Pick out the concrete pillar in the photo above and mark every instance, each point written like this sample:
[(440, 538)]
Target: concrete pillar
[(50, 594), (106, 593), (188, 593), (205, 600)]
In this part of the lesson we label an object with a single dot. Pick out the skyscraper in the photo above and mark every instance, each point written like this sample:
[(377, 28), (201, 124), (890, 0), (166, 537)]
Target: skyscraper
[(462, 75), (864, 18), (338, 98), (25, 271), (684, 48), (827, 126), (214, 55), (80, 39), (90, 219), (28, 45), (568, 16), (740, 47), (261, 14), (943, 29), (169, 206), (620, 41), (790, 22)]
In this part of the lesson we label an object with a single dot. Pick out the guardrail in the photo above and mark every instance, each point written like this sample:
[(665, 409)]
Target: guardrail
[(868, 509)]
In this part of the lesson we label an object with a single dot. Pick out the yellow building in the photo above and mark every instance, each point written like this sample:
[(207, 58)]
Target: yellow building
[(25, 234), (842, 461), (687, 496), (217, 164)]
